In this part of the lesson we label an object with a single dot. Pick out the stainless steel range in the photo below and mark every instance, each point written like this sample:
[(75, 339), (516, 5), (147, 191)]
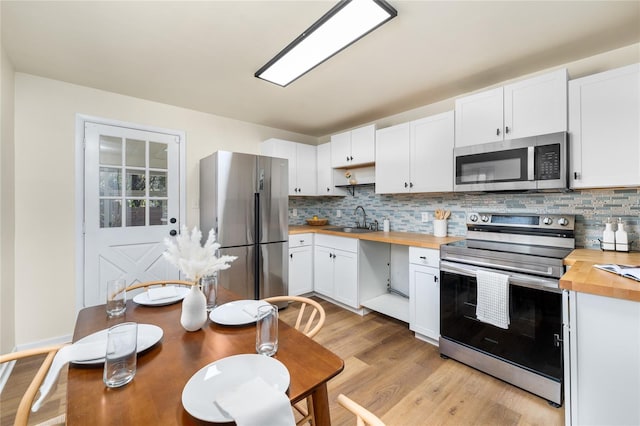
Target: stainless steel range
[(525, 349)]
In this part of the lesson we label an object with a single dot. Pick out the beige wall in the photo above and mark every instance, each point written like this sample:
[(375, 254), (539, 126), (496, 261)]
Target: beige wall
[(7, 306), (45, 113)]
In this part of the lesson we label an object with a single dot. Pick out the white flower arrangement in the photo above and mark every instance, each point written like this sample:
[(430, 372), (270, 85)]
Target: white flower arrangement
[(195, 261)]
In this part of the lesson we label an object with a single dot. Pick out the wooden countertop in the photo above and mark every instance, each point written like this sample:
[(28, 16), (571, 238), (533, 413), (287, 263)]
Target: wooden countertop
[(402, 238), (583, 277)]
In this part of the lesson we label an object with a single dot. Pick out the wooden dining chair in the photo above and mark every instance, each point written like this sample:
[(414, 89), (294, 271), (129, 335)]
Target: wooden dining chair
[(24, 408), (160, 283), (364, 417), (310, 319)]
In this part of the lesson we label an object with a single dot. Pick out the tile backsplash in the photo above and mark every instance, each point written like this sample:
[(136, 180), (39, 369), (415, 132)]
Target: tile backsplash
[(591, 208)]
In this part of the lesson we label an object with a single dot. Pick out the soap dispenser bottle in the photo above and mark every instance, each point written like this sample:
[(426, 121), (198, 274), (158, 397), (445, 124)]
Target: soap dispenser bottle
[(608, 236), (622, 239)]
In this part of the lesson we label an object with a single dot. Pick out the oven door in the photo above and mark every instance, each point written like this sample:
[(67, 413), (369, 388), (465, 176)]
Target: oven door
[(532, 340)]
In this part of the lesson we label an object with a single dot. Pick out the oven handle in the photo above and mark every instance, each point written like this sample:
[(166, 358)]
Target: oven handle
[(475, 261), (521, 280)]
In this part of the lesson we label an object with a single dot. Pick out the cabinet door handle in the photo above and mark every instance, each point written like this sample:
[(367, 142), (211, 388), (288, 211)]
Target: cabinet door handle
[(405, 184), (423, 257), (506, 129), (291, 255), (347, 158), (410, 184), (351, 158), (328, 190), (575, 175), (497, 132), (435, 279)]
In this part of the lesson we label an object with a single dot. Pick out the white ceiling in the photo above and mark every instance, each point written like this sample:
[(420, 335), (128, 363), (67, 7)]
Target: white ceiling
[(203, 54)]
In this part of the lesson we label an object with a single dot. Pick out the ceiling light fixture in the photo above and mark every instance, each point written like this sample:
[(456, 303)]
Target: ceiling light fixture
[(344, 24)]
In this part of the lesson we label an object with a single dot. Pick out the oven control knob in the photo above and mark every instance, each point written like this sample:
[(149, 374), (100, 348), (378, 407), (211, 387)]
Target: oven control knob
[(547, 220), (484, 218), (473, 217), (563, 221)]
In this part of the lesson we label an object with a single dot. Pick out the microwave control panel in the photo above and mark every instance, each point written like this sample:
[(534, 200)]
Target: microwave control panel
[(547, 163)]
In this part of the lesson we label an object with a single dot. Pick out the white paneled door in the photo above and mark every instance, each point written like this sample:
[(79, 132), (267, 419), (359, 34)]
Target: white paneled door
[(131, 203)]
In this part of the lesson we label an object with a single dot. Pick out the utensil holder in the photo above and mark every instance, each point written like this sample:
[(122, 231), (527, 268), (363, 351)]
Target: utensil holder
[(440, 228)]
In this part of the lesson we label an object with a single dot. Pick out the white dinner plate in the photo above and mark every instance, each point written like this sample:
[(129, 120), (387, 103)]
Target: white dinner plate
[(234, 313), (212, 381), (148, 335), (143, 298)]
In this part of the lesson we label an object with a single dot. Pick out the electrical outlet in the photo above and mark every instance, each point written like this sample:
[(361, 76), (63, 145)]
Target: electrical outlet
[(339, 213), (425, 217), (295, 213)]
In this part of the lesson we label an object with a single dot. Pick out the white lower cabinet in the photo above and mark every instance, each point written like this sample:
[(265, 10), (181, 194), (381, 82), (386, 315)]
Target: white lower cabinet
[(602, 360), (300, 264), (424, 293), (336, 268)]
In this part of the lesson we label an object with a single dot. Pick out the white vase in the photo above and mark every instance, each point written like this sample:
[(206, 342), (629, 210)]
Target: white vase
[(194, 310)]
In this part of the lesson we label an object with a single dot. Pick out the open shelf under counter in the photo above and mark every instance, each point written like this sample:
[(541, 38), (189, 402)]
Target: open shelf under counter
[(390, 304)]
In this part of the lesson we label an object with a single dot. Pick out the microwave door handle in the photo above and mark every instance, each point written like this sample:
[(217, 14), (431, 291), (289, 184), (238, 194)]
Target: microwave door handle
[(531, 153)]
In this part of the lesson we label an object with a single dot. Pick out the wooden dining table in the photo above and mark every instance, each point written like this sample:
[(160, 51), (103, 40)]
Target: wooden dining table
[(154, 396)]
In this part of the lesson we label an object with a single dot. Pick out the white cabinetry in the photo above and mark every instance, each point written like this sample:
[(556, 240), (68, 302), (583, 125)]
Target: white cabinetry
[(416, 156), (300, 264), (336, 268), (604, 129), (530, 107), (302, 163), (353, 148), (602, 377), (326, 174), (424, 293)]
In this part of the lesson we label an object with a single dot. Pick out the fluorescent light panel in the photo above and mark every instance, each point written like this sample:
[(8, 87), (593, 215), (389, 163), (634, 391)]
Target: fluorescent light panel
[(344, 24)]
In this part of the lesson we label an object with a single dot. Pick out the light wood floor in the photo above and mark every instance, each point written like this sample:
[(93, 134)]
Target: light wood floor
[(397, 377)]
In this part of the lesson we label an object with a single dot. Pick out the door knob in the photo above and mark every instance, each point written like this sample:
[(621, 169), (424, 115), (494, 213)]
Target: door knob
[(173, 233), (173, 220)]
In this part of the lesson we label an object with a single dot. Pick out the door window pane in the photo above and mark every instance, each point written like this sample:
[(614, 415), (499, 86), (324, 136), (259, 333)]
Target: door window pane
[(110, 213), (158, 212), (136, 183), (136, 213), (136, 155), (157, 155), (110, 182), (110, 150), (157, 184)]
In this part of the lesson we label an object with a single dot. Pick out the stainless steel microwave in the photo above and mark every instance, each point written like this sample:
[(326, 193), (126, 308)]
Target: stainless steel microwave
[(537, 163)]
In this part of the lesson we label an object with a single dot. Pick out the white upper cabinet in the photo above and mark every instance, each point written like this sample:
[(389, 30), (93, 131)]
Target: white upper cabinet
[(326, 174), (353, 148), (479, 118), (416, 156), (604, 129), (535, 106), (393, 146), (302, 163)]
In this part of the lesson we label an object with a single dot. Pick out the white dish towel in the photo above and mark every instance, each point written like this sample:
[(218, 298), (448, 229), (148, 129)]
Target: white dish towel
[(257, 403), (493, 298)]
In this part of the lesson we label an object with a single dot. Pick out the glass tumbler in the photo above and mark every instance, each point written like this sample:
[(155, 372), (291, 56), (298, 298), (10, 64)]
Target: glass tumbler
[(120, 361), (267, 330)]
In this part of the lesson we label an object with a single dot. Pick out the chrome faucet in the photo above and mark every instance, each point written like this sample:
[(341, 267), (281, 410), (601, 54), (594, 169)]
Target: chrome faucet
[(364, 214)]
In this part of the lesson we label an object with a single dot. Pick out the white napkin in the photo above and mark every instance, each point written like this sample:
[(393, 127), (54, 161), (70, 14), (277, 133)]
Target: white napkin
[(257, 403), (493, 298), (163, 292), (66, 354), (251, 309)]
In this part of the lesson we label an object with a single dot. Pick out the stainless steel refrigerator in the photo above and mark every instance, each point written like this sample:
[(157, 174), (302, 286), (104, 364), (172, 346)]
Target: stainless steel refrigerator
[(245, 199)]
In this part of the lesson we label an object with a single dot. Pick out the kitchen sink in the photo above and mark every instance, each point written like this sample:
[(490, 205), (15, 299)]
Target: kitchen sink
[(350, 230)]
